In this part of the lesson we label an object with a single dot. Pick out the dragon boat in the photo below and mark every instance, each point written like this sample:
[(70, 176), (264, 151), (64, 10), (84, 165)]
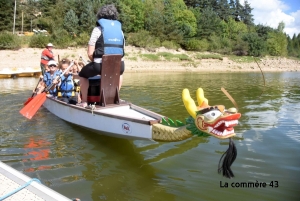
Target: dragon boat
[(127, 120), (110, 115)]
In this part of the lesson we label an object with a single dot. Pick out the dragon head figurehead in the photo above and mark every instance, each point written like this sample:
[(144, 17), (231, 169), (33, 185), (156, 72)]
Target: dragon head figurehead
[(213, 120)]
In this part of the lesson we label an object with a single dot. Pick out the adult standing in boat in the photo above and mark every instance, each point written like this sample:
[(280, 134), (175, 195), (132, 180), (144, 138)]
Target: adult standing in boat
[(46, 56), (106, 38)]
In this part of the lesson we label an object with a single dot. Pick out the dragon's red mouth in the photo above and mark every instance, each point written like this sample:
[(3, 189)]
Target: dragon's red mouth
[(222, 127)]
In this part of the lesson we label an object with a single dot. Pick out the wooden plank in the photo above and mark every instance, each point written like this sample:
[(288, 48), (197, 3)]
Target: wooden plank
[(110, 78)]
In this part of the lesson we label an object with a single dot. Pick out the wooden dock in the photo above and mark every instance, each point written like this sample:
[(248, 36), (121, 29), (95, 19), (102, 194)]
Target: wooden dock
[(20, 72), (12, 180)]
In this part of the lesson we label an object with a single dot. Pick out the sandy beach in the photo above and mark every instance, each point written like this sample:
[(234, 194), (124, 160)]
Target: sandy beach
[(30, 57)]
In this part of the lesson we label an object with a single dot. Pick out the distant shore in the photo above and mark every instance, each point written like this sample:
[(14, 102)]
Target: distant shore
[(30, 57)]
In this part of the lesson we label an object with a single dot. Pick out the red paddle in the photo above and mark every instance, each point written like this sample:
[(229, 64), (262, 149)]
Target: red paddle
[(34, 92), (32, 107)]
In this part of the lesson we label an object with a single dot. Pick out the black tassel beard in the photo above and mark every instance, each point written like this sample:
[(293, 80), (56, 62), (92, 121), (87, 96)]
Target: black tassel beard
[(228, 158)]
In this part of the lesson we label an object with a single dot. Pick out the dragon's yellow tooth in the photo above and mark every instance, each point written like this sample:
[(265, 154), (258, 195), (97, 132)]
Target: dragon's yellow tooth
[(189, 103)]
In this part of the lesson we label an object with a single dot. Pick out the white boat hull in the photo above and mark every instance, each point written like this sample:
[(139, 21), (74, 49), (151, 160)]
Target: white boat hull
[(124, 120)]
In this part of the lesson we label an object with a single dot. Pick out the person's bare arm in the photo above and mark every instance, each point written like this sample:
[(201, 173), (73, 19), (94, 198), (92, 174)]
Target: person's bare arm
[(90, 52)]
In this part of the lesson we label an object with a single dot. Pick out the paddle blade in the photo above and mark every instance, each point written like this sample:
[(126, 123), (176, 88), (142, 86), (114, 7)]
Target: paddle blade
[(28, 100), (32, 107)]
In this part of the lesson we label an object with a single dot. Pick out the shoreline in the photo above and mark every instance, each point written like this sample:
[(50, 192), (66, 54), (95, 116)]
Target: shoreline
[(30, 58)]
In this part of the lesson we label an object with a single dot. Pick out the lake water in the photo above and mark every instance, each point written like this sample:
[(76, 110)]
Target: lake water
[(79, 163)]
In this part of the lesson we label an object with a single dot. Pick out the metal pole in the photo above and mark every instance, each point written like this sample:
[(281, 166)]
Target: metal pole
[(15, 17), (22, 22)]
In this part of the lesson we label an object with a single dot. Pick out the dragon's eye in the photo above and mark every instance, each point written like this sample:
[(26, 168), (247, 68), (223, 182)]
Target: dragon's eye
[(211, 115)]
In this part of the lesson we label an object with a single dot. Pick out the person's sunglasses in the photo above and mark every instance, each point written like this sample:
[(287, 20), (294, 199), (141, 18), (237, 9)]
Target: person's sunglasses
[(52, 66)]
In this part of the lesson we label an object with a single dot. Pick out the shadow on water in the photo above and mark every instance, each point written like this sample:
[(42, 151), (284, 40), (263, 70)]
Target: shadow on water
[(121, 165)]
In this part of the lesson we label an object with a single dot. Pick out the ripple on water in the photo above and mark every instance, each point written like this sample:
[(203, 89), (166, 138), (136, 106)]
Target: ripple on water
[(79, 163)]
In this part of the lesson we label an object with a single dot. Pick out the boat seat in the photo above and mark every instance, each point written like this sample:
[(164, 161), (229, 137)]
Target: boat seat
[(110, 78)]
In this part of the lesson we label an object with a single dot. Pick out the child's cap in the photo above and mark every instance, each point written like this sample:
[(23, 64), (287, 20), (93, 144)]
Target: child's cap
[(52, 62)]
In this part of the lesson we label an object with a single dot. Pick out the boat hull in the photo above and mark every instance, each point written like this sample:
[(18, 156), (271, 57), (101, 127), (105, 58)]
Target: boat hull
[(124, 120)]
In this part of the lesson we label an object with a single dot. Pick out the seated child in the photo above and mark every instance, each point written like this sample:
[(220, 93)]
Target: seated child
[(50, 76), (65, 87), (78, 66)]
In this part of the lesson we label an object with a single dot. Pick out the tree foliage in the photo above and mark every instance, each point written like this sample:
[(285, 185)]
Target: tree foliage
[(208, 23), (224, 26), (6, 15), (277, 44), (71, 22), (294, 45), (256, 45), (87, 17), (132, 15)]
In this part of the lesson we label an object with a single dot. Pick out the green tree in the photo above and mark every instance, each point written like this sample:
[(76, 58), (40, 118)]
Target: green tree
[(224, 12), (201, 4), (247, 17), (232, 8), (6, 15), (280, 27), (191, 3), (71, 22), (234, 29), (53, 13), (172, 30), (169, 20), (87, 18), (208, 24), (132, 15), (294, 46), (263, 31), (256, 45), (294, 41), (184, 18), (154, 17), (277, 44), (31, 13), (46, 6), (290, 47), (238, 12)]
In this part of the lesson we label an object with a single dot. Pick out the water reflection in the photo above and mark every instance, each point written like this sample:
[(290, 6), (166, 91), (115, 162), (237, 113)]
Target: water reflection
[(79, 163)]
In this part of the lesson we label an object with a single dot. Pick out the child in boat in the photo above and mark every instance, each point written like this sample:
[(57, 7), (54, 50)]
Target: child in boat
[(49, 78), (65, 86), (76, 70), (78, 67)]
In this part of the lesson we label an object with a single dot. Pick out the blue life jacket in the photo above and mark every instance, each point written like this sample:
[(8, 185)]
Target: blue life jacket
[(48, 79), (67, 86), (111, 40)]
